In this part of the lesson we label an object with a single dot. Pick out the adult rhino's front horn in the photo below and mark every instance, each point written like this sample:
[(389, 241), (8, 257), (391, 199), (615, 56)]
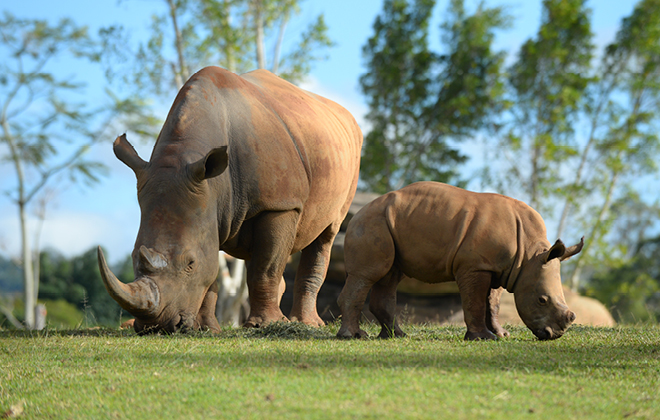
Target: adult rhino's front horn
[(141, 298)]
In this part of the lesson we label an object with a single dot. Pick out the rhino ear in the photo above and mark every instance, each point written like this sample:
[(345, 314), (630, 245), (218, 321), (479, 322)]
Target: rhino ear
[(557, 251), (572, 250), (127, 154), (211, 165)]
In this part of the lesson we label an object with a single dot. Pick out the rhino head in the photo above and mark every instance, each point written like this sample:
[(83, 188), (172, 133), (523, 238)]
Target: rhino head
[(175, 258), (539, 294)]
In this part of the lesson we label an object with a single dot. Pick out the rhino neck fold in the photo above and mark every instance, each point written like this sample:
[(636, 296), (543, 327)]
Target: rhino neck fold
[(510, 279)]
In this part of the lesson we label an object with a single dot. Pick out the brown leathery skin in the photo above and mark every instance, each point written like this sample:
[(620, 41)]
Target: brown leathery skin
[(251, 165), (437, 233)]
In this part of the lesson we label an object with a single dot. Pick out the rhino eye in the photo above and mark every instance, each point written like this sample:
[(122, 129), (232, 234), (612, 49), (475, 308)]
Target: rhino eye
[(191, 266), (543, 300)]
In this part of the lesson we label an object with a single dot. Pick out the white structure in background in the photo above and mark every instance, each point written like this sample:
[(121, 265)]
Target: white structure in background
[(232, 306), (40, 316)]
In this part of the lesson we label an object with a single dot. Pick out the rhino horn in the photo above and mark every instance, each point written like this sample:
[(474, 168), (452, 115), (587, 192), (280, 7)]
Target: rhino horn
[(140, 298), (572, 250)]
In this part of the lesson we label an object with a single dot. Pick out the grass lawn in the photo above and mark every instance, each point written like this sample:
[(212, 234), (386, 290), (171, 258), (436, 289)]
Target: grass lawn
[(289, 371)]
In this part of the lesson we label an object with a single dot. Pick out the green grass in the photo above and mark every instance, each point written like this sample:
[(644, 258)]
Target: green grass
[(290, 371)]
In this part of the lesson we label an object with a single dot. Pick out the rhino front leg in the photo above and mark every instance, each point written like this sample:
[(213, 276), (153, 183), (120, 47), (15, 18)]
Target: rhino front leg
[(475, 290), (382, 304), (206, 315), (274, 233), (310, 275), (493, 311)]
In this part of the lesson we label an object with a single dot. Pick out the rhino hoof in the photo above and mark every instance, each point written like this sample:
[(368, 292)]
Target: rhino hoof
[(482, 335), (348, 335), (389, 333)]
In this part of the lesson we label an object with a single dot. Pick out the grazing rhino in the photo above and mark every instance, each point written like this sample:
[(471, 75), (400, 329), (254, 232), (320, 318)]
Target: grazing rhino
[(437, 233), (251, 165)]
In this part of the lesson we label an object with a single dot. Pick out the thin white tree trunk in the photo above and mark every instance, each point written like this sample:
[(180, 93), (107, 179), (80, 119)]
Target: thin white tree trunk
[(182, 74), (278, 45), (578, 180), (574, 280), (229, 53), (28, 274), (259, 31)]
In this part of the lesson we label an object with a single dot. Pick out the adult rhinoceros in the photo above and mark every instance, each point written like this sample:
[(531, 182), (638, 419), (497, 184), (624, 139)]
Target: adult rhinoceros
[(251, 165), (436, 233)]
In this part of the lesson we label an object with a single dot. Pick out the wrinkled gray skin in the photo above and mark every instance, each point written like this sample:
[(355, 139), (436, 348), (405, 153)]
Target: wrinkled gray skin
[(251, 165), (437, 233)]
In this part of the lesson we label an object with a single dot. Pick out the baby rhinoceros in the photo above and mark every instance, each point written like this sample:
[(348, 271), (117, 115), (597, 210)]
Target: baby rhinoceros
[(438, 233)]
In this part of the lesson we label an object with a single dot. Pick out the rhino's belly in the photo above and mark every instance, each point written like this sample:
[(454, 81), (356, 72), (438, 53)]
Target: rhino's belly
[(428, 274)]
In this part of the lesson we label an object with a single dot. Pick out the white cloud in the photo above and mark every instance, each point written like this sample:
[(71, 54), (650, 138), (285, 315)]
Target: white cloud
[(73, 233)]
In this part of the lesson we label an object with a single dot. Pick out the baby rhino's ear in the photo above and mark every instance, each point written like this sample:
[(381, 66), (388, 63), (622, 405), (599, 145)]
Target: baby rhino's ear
[(572, 250), (556, 251), (560, 251)]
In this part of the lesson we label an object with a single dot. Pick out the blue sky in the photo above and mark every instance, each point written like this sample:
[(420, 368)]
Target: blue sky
[(107, 213)]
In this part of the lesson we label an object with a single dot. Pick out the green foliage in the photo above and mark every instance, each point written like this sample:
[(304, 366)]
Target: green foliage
[(631, 290), (60, 314), (298, 62), (192, 34), (78, 282), (623, 114), (547, 84), (38, 117), (421, 102), (10, 276), (46, 130), (591, 373)]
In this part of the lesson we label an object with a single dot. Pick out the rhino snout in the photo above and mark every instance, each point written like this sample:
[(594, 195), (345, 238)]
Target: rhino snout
[(550, 333), (571, 317)]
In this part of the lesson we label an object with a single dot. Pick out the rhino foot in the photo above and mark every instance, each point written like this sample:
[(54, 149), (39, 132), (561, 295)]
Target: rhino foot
[(346, 334), (481, 335), (312, 321), (389, 333), (502, 333), (262, 321)]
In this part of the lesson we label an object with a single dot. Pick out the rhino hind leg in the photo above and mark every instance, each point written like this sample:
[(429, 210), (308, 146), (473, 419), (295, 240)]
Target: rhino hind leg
[(351, 301), (313, 266), (274, 233), (493, 311), (475, 289), (382, 304)]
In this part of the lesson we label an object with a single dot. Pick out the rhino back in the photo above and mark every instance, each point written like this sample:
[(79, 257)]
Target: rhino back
[(441, 231), (288, 149)]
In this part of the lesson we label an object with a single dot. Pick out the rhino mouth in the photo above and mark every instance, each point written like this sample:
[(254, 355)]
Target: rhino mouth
[(181, 323), (548, 333)]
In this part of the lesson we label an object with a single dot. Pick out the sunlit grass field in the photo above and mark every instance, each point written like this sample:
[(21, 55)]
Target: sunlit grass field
[(290, 371)]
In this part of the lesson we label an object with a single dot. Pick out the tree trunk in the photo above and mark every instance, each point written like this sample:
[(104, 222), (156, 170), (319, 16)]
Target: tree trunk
[(259, 31), (28, 274), (574, 279), (181, 74), (278, 45), (576, 183), (229, 52)]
